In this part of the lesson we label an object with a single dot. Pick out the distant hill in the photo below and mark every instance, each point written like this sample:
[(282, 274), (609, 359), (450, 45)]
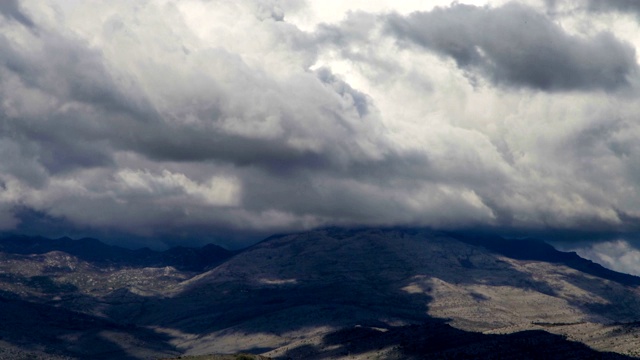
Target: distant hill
[(325, 294), (99, 253)]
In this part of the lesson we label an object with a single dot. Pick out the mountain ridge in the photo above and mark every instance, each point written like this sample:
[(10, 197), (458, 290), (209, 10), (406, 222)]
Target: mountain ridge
[(335, 293), (100, 253)]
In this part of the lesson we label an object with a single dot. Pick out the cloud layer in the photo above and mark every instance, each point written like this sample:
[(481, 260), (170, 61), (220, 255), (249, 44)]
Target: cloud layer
[(179, 120), (515, 45)]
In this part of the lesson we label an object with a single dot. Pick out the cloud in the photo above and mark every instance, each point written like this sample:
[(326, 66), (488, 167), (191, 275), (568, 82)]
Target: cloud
[(618, 255), (228, 121), (517, 46), (614, 5), (11, 9), (217, 191)]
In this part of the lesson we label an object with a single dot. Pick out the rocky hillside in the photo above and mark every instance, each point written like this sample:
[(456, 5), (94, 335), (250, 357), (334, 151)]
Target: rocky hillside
[(327, 294)]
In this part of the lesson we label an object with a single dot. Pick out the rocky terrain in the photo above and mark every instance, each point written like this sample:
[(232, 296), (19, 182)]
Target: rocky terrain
[(326, 294)]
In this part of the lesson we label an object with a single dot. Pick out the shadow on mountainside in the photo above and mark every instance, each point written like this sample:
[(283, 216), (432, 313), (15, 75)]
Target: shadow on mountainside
[(57, 331), (355, 281), (363, 284), (438, 340)]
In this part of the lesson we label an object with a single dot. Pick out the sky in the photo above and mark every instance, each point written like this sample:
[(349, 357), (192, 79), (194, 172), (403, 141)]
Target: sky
[(198, 121)]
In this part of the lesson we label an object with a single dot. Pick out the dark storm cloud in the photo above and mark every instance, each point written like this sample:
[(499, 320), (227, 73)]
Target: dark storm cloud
[(68, 117), (111, 118), (317, 145), (598, 6), (614, 5), (63, 72), (11, 9), (154, 123), (514, 45)]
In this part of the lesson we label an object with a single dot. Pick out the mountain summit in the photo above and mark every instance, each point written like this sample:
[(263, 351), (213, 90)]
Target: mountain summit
[(334, 293)]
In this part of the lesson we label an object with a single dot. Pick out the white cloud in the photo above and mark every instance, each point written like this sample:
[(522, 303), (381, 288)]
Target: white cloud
[(618, 255), (331, 11), (216, 191)]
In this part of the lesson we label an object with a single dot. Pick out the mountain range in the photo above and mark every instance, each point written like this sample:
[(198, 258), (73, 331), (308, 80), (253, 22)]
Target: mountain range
[(325, 294)]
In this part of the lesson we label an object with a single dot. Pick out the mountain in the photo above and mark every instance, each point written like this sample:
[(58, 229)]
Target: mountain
[(326, 294), (99, 253)]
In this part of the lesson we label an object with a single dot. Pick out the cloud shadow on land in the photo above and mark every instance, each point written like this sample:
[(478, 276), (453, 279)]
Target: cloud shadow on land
[(356, 285), (359, 292), (62, 332), (436, 339)]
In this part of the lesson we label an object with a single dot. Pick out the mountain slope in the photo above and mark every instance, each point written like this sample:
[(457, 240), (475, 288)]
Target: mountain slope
[(335, 293), (48, 330), (304, 286)]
